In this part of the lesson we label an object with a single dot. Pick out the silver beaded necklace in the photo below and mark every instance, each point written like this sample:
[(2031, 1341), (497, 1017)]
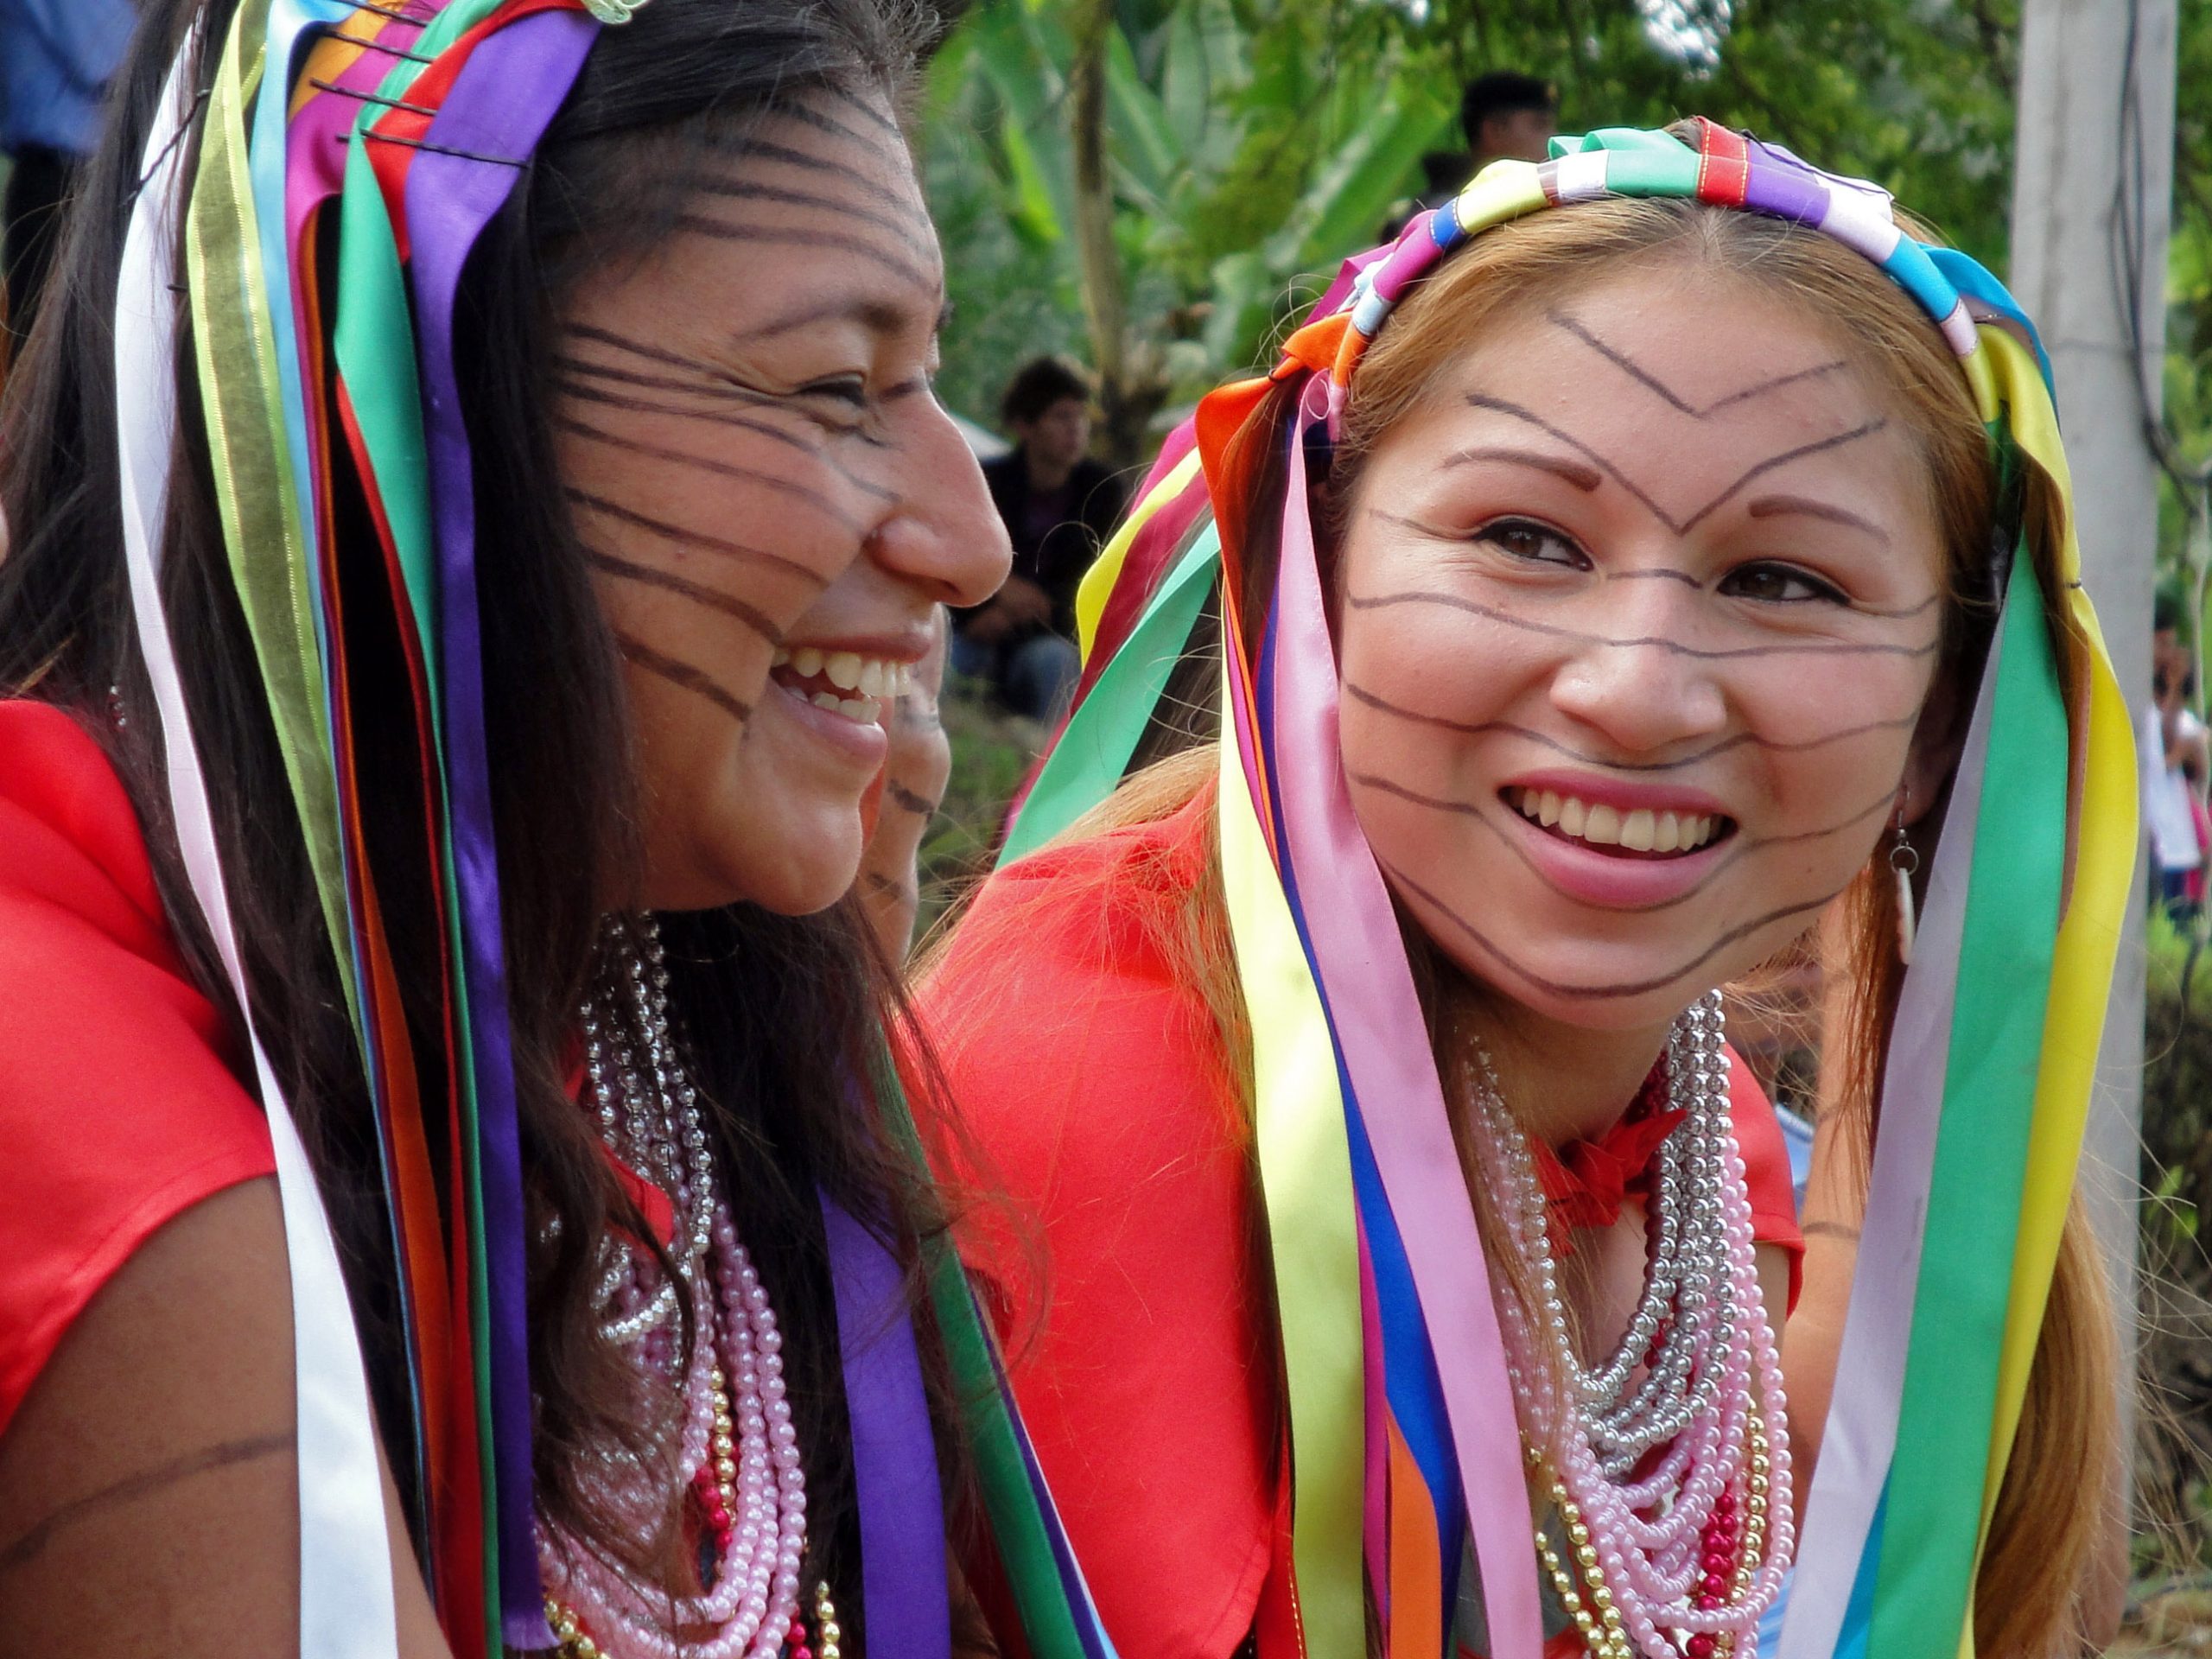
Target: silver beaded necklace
[(1688, 1301), (648, 1116)]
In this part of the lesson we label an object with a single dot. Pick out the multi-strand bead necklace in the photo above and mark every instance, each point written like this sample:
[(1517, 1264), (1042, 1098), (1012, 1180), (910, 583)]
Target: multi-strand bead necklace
[(735, 1455), (1667, 1464)]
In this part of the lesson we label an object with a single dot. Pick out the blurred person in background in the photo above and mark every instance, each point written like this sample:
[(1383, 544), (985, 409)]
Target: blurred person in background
[(1059, 505), (56, 60)]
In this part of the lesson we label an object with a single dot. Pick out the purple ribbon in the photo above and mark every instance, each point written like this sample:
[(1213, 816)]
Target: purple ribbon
[(499, 106), (903, 1580)]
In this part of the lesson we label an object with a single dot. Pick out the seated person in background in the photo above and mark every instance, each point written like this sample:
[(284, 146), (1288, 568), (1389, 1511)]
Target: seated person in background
[(1060, 505)]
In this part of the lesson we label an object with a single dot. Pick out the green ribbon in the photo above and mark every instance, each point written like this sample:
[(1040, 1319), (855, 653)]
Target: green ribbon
[(256, 493), (373, 350), (1934, 1508), (1018, 1526), (1101, 736)]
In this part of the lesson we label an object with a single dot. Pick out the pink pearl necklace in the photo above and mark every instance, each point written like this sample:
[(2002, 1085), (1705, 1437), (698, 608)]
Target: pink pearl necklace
[(736, 1450), (1685, 1558)]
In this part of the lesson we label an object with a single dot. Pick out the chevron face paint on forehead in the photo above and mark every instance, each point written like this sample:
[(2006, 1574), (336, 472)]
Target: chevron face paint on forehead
[(1680, 662)]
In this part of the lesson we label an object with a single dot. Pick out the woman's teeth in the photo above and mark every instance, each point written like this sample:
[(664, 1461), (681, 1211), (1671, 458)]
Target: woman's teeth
[(1640, 831), (842, 681)]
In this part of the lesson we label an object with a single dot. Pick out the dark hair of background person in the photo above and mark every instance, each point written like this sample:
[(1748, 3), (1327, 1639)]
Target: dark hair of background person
[(1503, 92), (778, 1012), (1037, 385)]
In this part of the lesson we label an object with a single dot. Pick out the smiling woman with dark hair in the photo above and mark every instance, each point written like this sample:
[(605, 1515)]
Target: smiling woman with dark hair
[(477, 493)]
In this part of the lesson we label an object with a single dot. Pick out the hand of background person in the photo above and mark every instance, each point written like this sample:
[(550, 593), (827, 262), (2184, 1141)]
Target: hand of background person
[(913, 785)]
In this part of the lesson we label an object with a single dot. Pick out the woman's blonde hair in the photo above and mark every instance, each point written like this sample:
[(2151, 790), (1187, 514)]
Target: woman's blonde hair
[(2044, 1535)]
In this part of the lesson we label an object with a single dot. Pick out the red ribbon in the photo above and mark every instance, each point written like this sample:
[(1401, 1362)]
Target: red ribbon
[(1585, 1181)]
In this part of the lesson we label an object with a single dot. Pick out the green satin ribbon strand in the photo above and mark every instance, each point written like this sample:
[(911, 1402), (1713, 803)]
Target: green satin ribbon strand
[(1092, 755), (1973, 1208), (1001, 1473), (256, 493)]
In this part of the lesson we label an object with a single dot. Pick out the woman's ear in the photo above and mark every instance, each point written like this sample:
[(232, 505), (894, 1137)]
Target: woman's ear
[(1938, 739)]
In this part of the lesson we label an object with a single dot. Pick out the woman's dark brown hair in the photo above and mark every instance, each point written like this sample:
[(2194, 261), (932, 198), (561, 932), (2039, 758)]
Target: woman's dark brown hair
[(780, 1013)]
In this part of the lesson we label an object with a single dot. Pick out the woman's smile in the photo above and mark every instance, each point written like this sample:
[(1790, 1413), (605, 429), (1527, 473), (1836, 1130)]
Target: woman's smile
[(1564, 597)]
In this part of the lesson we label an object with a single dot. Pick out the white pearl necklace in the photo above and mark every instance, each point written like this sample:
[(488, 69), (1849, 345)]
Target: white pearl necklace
[(732, 1380), (1699, 1336)]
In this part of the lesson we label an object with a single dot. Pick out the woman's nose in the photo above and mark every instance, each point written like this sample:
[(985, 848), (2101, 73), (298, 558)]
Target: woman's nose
[(943, 534), (1633, 678)]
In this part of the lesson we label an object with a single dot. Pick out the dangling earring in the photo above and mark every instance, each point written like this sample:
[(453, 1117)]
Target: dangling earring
[(1904, 861)]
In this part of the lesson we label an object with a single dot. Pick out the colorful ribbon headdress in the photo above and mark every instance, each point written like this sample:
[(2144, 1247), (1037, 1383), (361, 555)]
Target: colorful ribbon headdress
[(351, 155), (1402, 1425)]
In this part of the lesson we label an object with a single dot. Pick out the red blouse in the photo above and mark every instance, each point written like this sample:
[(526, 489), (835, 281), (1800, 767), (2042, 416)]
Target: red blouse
[(119, 1107), (1129, 1268)]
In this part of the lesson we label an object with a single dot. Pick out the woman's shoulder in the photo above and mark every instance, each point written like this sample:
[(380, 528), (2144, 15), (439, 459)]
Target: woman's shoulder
[(118, 1107), (1090, 1084), (1066, 980)]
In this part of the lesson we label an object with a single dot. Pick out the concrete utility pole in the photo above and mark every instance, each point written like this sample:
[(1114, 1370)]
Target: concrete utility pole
[(2092, 183)]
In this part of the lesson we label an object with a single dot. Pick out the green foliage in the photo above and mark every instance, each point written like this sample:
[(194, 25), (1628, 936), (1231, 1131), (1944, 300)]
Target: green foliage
[(2178, 1083), (1254, 143)]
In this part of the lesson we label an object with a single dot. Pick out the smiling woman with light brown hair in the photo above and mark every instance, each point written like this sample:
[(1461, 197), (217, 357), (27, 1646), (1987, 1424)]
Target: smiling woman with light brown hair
[(1653, 551)]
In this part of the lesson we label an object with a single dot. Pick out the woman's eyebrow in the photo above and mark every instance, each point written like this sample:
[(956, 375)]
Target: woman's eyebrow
[(1777, 506), (1582, 477), (873, 311)]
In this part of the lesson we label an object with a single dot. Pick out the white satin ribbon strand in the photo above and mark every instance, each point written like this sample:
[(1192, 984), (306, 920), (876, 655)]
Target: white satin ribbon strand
[(346, 1609)]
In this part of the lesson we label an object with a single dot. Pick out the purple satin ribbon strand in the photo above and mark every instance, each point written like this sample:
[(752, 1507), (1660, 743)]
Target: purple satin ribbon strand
[(904, 1587), (499, 106)]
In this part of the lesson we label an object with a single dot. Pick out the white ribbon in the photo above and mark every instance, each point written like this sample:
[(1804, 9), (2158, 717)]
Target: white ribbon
[(346, 1606)]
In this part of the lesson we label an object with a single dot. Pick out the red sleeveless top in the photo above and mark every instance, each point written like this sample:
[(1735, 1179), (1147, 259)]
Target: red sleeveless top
[(119, 1105), (1128, 1271)]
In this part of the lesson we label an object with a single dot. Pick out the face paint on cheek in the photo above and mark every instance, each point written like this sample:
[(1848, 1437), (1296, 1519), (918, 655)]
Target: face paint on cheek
[(696, 681), (1459, 926), (1585, 637), (1726, 744)]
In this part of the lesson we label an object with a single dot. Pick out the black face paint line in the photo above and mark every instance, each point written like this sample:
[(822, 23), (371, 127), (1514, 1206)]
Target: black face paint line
[(756, 233), (718, 467), (1644, 377), (1599, 992), (694, 680), (698, 593), (907, 800), (577, 388), (1742, 739), (677, 535), (1577, 636), (1675, 525), (901, 228)]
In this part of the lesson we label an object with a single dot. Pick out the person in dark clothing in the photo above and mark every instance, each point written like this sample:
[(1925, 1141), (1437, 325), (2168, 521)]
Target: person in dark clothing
[(1060, 506), (1504, 115), (56, 60)]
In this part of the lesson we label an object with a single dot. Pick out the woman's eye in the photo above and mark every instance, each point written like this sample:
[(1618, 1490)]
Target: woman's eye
[(1524, 538), (850, 390), (1777, 584)]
